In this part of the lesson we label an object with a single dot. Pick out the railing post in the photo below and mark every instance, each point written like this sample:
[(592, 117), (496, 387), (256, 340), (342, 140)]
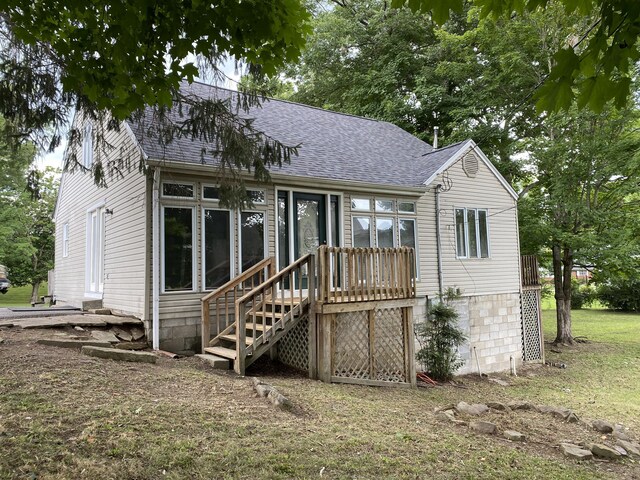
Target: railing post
[(241, 334), (206, 325), (313, 365)]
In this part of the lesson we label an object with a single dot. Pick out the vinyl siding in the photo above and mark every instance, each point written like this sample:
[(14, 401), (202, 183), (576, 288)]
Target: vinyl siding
[(500, 273), (124, 232)]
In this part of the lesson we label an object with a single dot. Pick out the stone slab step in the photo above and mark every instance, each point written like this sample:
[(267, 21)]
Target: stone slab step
[(215, 361), (221, 352), (104, 336), (119, 355), (99, 311), (72, 343)]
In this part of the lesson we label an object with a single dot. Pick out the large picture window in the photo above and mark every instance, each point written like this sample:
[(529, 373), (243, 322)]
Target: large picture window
[(251, 239), (217, 243), (472, 233), (177, 224)]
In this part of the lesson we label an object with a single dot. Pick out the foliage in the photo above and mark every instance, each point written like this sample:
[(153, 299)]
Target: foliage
[(621, 294), (441, 337), (582, 295), (592, 68), (112, 60)]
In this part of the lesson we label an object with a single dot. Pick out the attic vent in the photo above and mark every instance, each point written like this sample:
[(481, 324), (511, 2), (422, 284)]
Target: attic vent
[(470, 164)]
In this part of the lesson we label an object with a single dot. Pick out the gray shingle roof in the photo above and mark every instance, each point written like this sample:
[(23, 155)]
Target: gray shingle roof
[(333, 146)]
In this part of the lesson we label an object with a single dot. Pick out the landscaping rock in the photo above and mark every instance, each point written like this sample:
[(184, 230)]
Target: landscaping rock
[(602, 426), (262, 389), (1, 341), (216, 362), (446, 415), (120, 355), (72, 343), (122, 334), (574, 451), (278, 399), (558, 412), (517, 405), (132, 345), (602, 451), (632, 448), (621, 451), (78, 328), (498, 406), (137, 333), (474, 409), (484, 427), (99, 311), (620, 434), (513, 436), (572, 418), (104, 336)]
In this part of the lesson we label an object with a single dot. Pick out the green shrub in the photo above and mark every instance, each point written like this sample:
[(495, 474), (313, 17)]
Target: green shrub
[(621, 294), (581, 295), (440, 336)]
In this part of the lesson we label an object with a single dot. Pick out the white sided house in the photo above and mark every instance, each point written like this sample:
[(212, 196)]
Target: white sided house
[(396, 220)]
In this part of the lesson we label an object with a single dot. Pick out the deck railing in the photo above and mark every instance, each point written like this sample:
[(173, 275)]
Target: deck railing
[(224, 298), (365, 274), (530, 273), (268, 308)]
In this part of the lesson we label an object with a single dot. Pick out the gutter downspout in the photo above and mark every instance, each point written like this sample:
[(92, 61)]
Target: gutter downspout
[(438, 241), (155, 259)]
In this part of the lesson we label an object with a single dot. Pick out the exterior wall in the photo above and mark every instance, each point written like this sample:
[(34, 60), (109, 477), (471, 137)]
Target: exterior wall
[(493, 329), (124, 231)]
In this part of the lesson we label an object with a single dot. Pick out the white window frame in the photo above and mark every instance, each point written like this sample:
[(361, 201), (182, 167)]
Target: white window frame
[(65, 240), (466, 233), (232, 265), (94, 248), (265, 239), (87, 145), (194, 275), (394, 231), (176, 197), (415, 237), (369, 199)]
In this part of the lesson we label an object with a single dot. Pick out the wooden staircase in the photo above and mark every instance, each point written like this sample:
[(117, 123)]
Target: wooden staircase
[(262, 316)]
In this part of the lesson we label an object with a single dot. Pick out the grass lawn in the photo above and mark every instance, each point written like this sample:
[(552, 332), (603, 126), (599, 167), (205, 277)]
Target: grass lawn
[(20, 296), (63, 415)]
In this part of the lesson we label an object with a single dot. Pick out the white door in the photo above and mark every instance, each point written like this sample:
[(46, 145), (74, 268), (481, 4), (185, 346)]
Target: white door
[(95, 250)]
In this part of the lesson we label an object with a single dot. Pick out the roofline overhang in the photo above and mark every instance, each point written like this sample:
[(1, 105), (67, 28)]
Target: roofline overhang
[(350, 185), (464, 148)]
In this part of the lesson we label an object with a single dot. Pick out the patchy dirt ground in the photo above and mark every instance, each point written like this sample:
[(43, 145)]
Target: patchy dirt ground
[(64, 415)]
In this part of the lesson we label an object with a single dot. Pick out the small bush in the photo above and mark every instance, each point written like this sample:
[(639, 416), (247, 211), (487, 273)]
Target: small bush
[(581, 295), (621, 294), (441, 337)]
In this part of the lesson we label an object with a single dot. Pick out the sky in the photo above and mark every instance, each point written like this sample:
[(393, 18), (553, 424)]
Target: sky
[(54, 159)]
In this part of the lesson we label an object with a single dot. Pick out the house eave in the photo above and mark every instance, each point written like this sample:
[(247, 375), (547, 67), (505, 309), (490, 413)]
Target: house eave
[(277, 178)]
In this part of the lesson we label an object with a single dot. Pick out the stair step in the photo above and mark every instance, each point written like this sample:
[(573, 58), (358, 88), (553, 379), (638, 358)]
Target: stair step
[(222, 352), (234, 339), (260, 313)]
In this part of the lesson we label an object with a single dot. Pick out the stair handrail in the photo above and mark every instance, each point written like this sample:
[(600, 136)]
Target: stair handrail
[(240, 304), (223, 290)]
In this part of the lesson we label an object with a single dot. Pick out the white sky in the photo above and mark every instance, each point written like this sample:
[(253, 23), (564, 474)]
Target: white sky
[(54, 159)]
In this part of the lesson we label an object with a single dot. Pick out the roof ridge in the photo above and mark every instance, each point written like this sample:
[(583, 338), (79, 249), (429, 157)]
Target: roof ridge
[(436, 150)]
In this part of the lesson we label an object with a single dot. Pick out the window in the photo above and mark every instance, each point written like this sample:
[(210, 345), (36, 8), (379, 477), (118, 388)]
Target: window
[(251, 239), (472, 233), (217, 244), (95, 251), (87, 146), (362, 232), (177, 190), (363, 204), (65, 240), (210, 192), (407, 207), (257, 197), (385, 233), (407, 227), (178, 264), (384, 205)]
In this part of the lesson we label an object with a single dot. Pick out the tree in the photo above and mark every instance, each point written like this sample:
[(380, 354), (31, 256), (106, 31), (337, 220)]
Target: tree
[(586, 168), (112, 60), (31, 247), (591, 68)]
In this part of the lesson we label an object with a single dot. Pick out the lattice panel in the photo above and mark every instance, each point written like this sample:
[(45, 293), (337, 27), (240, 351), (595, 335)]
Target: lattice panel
[(388, 346), (351, 345), (293, 348), (531, 334)]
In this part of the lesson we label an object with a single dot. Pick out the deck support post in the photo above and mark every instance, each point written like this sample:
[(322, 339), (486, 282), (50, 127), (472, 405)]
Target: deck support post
[(313, 362)]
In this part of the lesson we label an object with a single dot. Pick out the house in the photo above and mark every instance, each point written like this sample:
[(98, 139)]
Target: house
[(154, 246)]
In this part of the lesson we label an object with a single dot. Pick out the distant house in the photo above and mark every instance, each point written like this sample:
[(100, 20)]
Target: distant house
[(154, 247)]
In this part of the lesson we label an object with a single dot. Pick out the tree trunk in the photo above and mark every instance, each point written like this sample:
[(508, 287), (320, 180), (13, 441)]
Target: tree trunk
[(34, 292), (562, 267)]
